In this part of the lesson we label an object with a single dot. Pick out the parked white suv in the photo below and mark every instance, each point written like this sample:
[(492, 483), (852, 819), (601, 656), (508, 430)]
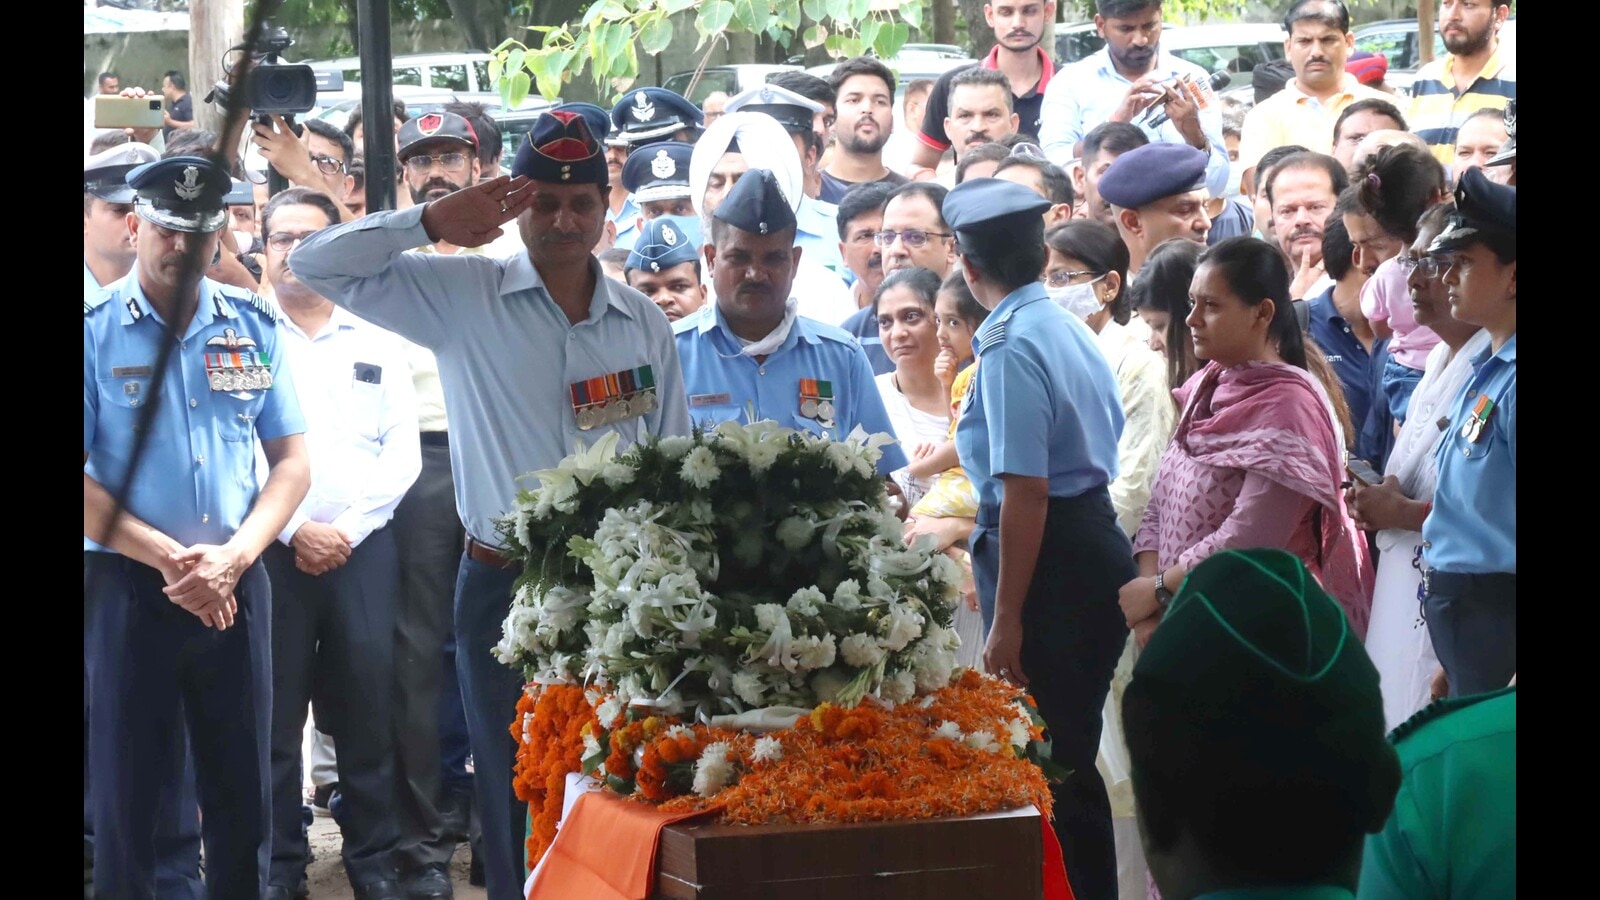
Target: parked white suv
[(463, 73)]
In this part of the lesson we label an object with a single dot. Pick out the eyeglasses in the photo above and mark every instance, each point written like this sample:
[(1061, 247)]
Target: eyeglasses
[(1429, 266), (452, 161), (327, 165), (283, 241), (914, 237), (1062, 279)]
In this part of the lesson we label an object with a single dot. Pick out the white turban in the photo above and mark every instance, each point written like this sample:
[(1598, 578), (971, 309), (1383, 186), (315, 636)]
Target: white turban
[(762, 141)]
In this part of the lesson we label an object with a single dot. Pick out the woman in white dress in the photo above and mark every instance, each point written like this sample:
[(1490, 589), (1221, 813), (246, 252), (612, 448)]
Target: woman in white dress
[(918, 402), (919, 407), (1397, 636)]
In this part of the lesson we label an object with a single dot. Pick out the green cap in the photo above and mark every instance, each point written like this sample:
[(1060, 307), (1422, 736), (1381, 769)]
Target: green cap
[(1256, 670)]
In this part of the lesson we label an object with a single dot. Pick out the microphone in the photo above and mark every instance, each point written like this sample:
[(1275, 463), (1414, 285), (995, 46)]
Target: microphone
[(1156, 114)]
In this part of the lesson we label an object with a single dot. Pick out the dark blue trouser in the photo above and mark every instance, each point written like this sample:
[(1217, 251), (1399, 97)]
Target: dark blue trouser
[(1073, 633), (490, 691), (333, 646), (156, 665), (178, 828), (428, 534), (1472, 620)]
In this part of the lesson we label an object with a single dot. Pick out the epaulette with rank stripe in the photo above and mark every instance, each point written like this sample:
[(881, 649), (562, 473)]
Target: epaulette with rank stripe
[(993, 338), (263, 305)]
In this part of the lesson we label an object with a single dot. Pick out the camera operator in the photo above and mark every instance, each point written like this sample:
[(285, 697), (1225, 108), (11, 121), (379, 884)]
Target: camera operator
[(319, 158)]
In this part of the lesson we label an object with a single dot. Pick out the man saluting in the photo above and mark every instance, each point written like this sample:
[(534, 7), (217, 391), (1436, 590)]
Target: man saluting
[(535, 352)]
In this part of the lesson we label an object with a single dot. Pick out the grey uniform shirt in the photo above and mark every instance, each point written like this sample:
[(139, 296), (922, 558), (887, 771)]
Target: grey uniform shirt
[(508, 357)]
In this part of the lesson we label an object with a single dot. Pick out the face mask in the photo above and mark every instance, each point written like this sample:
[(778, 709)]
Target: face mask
[(1235, 174), (1078, 299)]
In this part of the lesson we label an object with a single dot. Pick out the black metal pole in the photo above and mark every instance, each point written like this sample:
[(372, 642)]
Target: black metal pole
[(377, 102)]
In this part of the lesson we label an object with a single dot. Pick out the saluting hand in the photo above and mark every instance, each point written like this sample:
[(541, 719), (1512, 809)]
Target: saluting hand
[(472, 217), (207, 589)]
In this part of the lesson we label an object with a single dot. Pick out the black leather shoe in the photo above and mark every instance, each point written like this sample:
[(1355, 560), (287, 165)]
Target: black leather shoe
[(430, 883), (475, 872), (380, 890)]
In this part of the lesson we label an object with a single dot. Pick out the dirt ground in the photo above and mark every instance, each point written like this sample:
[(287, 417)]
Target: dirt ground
[(326, 879)]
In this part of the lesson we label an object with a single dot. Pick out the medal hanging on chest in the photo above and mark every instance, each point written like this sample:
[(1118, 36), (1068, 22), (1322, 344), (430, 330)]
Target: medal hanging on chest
[(1478, 421), (606, 399), (816, 401), (246, 371)]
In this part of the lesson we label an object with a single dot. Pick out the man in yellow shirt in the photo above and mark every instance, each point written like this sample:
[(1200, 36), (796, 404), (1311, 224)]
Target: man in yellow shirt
[(1473, 76), (1303, 112)]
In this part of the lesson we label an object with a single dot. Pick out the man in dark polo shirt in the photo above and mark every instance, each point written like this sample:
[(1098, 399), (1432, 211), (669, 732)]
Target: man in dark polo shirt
[(1018, 26), (1336, 323)]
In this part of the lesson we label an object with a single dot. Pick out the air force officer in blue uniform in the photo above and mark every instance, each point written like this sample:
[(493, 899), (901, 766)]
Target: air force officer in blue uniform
[(1038, 436), (750, 356), (178, 604)]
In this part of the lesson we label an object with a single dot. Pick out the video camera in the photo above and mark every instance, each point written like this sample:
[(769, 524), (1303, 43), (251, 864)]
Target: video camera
[(271, 87)]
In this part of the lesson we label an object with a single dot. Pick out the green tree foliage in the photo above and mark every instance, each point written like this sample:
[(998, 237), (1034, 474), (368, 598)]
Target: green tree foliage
[(607, 39)]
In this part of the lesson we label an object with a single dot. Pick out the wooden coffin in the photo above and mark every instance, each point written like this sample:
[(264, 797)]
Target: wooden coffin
[(992, 855)]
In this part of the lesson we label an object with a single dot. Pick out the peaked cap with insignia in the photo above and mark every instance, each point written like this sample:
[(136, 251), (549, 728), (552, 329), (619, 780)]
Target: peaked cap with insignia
[(658, 171), (652, 114), (181, 193), (105, 174)]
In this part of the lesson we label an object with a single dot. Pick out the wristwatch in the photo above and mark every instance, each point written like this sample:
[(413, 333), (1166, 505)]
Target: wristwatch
[(1163, 596)]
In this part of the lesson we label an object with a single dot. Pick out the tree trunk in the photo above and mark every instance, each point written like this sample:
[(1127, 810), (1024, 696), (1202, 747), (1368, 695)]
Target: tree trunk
[(214, 26), (980, 37), (944, 21)]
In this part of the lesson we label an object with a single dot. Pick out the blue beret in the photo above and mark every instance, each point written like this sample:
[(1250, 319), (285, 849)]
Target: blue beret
[(436, 126), (181, 193), (1145, 174), (658, 171), (653, 114), (664, 242), (756, 204), (561, 148), (991, 213), (105, 174), (1481, 206), (598, 118), (794, 112)]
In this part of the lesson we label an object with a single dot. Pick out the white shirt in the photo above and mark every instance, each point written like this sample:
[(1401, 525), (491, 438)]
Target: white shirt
[(1150, 417), (361, 435), (1085, 94), (912, 426)]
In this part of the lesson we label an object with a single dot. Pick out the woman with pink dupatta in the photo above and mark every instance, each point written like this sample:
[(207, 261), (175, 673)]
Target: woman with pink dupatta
[(1255, 461)]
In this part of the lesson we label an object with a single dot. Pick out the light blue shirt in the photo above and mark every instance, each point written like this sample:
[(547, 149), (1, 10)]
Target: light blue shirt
[(507, 355), (727, 386), (627, 222), (1472, 529), (1086, 93), (93, 293), (197, 476), (817, 231), (1043, 403)]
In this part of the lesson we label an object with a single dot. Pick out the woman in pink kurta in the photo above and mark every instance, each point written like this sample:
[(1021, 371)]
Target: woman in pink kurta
[(1255, 461)]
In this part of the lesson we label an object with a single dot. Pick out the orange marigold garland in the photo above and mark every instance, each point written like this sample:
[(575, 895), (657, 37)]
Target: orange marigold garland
[(550, 727), (969, 748)]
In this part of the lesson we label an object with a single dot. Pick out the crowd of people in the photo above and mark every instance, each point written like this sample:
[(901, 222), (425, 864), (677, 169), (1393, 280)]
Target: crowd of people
[(1217, 407)]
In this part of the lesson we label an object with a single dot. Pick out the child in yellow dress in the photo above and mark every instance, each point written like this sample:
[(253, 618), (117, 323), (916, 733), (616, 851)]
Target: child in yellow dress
[(958, 314)]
